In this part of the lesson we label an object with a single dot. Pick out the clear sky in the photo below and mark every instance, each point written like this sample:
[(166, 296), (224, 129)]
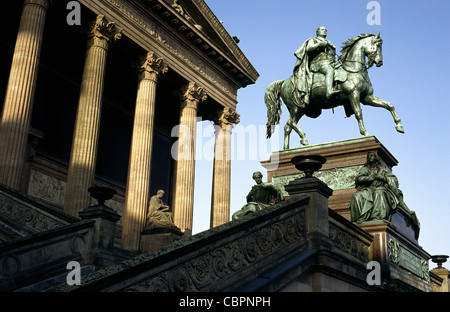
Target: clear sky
[(414, 78)]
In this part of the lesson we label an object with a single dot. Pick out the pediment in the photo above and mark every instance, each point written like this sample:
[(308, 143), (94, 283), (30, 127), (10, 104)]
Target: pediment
[(199, 23)]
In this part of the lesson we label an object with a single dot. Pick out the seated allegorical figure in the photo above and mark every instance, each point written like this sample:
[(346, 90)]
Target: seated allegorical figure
[(260, 196), (377, 196), (158, 214)]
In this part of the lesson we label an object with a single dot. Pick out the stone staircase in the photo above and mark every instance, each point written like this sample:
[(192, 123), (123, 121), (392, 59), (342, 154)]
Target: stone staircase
[(37, 241)]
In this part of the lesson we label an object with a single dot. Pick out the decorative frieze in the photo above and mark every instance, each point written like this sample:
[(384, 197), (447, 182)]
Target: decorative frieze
[(401, 256), (27, 215), (336, 178), (214, 267), (349, 243), (47, 188), (201, 273)]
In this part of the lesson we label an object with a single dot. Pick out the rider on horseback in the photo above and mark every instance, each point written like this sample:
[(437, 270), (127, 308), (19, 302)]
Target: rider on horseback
[(316, 54)]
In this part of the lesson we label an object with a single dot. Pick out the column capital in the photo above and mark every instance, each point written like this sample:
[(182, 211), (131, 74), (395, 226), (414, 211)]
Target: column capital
[(192, 95), (226, 118), (104, 32), (42, 3), (152, 67)]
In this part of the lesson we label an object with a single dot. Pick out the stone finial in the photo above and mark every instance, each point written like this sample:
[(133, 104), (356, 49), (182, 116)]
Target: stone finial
[(439, 259), (308, 163)]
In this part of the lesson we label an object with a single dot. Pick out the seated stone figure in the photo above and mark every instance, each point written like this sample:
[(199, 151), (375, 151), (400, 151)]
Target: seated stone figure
[(377, 196), (158, 214), (260, 196)]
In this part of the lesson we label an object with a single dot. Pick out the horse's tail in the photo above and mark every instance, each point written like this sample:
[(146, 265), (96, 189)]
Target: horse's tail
[(273, 104)]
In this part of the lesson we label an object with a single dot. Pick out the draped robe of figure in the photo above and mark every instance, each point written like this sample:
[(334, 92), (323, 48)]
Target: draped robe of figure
[(158, 214), (260, 196), (374, 198)]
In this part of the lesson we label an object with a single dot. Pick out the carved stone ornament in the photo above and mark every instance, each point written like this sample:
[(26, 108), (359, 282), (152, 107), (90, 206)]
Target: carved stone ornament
[(152, 67), (31, 218), (207, 269), (199, 273), (105, 30), (193, 95), (227, 117), (180, 10), (349, 244)]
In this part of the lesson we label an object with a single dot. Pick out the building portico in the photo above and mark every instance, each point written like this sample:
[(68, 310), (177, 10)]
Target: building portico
[(109, 117)]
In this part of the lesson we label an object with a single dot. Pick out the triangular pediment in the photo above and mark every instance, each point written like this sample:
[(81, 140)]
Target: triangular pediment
[(201, 15)]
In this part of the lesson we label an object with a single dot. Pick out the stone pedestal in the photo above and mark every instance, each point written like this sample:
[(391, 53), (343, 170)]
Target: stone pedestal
[(442, 273), (395, 246), (105, 218), (344, 160), (157, 237), (316, 219)]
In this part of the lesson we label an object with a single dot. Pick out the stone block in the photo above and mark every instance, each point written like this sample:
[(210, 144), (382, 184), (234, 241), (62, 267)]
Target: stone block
[(157, 237)]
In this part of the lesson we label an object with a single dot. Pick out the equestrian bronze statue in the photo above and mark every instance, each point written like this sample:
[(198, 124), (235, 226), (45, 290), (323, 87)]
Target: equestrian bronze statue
[(320, 82)]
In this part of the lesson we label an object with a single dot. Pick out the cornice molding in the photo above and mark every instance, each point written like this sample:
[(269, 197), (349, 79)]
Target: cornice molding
[(225, 36)]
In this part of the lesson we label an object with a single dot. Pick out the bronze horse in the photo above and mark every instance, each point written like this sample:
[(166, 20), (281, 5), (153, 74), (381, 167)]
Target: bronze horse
[(352, 81)]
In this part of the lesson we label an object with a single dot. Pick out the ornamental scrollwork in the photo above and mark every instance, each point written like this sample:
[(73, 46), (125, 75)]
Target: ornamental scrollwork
[(199, 273), (393, 253), (349, 244)]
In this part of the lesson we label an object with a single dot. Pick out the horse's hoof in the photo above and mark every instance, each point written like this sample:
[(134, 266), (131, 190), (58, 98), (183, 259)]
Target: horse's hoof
[(304, 142), (399, 128)]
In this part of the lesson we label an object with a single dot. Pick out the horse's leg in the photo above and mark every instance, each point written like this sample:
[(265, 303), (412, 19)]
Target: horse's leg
[(354, 98), (287, 134), (377, 102), (295, 113)]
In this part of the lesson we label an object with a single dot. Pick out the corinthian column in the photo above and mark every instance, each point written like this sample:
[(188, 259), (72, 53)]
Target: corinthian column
[(183, 207), (220, 202), (18, 105), (138, 182), (87, 124)]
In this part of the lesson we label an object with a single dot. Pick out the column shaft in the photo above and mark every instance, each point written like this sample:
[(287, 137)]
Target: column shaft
[(183, 207), (221, 188), (87, 124), (18, 105), (138, 182)]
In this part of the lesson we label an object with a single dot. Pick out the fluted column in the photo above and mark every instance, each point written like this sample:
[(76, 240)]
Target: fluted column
[(220, 201), (87, 124), (183, 206), (138, 182), (19, 98)]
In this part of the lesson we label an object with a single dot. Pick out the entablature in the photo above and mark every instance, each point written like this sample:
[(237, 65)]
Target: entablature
[(157, 25)]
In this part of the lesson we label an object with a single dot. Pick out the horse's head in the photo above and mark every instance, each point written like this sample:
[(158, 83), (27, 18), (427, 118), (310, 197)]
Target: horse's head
[(373, 50)]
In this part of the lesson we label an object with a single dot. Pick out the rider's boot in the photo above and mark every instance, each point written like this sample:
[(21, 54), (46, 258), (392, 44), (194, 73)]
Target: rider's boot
[(330, 92)]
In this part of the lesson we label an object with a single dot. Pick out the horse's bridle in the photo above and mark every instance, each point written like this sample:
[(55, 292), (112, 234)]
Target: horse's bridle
[(370, 61)]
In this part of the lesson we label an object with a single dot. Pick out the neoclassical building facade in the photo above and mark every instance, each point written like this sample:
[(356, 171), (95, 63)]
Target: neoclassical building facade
[(94, 93)]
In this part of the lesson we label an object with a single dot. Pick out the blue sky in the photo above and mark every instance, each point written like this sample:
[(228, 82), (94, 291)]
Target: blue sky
[(414, 78)]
